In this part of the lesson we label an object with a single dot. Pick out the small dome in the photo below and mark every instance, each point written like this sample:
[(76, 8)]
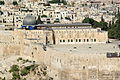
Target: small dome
[(29, 20)]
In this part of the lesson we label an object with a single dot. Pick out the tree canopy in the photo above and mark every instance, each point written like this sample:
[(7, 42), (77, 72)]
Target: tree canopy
[(58, 1), (39, 20), (112, 27), (15, 3), (114, 31), (2, 2), (102, 24)]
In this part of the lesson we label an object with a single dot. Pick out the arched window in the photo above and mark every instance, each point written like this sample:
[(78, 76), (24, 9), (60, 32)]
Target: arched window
[(68, 40), (60, 40), (87, 40), (94, 40), (79, 40), (63, 40), (83, 67), (71, 40), (84, 40), (76, 40)]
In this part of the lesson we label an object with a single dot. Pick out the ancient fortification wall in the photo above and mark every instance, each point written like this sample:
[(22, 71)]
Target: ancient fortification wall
[(70, 66), (63, 65)]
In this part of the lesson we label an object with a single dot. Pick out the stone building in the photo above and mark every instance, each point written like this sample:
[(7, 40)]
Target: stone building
[(75, 33)]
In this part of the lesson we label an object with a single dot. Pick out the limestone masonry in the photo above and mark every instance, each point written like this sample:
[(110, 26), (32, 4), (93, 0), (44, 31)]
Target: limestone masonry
[(53, 33), (71, 51)]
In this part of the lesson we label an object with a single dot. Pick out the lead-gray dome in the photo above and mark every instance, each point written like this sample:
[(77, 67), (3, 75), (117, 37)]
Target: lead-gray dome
[(29, 20)]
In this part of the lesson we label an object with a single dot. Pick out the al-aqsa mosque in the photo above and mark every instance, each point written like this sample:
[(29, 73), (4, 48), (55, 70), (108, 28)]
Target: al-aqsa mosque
[(75, 33)]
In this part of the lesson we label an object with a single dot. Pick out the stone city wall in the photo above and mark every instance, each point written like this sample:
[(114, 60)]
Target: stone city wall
[(62, 65), (70, 66)]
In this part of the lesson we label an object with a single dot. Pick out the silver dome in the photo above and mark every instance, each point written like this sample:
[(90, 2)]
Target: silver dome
[(29, 20)]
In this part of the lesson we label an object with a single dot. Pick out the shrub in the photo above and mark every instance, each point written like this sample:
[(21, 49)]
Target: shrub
[(16, 76), (14, 68), (24, 72)]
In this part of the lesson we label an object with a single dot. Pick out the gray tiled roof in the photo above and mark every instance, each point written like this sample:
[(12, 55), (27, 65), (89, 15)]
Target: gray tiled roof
[(63, 25)]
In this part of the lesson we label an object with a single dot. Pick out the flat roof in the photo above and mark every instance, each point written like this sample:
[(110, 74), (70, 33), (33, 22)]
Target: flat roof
[(73, 28), (63, 25), (86, 48)]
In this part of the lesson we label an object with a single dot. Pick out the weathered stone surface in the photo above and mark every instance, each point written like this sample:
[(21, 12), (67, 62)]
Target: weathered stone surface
[(64, 62)]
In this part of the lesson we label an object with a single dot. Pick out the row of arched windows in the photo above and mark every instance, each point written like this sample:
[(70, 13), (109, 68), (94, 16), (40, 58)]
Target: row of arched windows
[(78, 40), (78, 31)]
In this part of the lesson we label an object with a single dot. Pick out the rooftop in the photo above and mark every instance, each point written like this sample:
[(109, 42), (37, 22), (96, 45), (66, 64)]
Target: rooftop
[(63, 25), (73, 28), (88, 48)]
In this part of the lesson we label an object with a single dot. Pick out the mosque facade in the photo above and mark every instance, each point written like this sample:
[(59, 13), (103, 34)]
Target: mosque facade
[(75, 33)]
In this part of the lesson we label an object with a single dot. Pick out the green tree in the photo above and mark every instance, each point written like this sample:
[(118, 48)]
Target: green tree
[(16, 76), (110, 25), (2, 2), (54, 1), (88, 20), (104, 25), (111, 33), (14, 68), (24, 72), (92, 22), (64, 2), (114, 31), (59, 1), (39, 20), (15, 3), (117, 30), (96, 24)]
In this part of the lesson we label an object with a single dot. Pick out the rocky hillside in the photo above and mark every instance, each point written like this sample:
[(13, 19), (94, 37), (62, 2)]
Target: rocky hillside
[(21, 68)]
